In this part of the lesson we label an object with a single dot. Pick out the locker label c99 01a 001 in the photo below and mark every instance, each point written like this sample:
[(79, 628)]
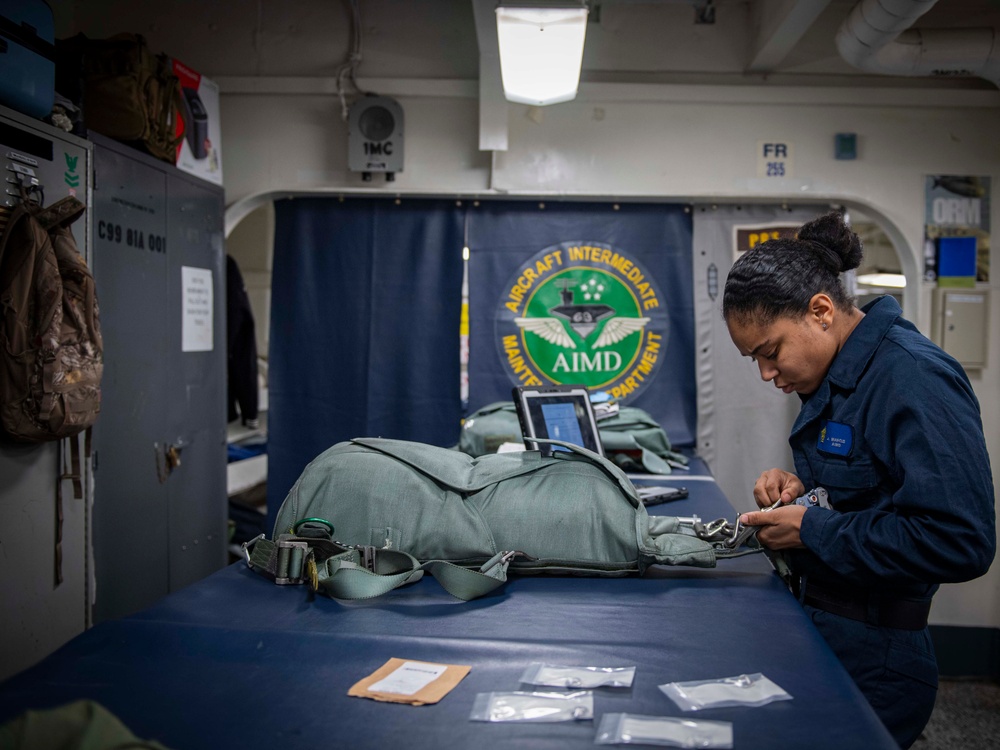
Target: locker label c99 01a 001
[(107, 230)]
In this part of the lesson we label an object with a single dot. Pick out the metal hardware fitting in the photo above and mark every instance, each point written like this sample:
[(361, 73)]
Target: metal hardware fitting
[(248, 545)]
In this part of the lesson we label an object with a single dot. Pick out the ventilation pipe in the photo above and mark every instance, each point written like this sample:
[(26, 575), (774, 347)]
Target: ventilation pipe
[(876, 37)]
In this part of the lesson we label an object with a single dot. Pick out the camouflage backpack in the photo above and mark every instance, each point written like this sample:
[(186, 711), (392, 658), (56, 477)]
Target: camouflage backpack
[(53, 353)]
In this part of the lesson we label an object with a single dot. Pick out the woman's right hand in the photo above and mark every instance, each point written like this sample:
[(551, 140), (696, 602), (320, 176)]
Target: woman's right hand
[(775, 485)]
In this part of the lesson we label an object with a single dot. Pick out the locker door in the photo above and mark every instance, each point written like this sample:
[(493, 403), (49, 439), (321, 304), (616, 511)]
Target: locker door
[(131, 520), (197, 390)]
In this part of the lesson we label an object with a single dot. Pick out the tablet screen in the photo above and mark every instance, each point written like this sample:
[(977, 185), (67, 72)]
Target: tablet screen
[(559, 413), (561, 423)]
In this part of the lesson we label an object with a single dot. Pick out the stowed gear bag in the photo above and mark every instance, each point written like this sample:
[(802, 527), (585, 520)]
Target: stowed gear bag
[(53, 351), (636, 442), (128, 92), (489, 427), (369, 515), (631, 438)]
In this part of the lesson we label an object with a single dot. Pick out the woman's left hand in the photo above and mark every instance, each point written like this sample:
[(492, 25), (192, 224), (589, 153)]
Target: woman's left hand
[(779, 528)]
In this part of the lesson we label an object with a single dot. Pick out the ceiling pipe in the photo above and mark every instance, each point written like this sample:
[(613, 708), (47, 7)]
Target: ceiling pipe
[(876, 37)]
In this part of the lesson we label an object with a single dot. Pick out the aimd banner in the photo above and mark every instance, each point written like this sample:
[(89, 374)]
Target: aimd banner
[(579, 293)]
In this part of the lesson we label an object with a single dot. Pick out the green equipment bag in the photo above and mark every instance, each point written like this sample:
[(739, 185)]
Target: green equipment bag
[(399, 508), (636, 442), (631, 438), (486, 429)]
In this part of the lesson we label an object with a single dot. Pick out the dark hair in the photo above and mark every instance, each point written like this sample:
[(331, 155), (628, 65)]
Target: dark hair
[(779, 277)]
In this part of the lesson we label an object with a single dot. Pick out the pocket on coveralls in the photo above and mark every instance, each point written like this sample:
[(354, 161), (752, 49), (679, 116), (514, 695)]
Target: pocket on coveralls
[(851, 485)]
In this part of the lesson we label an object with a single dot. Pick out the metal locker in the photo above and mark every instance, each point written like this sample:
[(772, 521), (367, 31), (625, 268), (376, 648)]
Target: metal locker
[(160, 488), (40, 614)]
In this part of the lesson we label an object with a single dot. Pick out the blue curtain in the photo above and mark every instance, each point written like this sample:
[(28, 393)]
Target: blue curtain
[(517, 245), (365, 315)]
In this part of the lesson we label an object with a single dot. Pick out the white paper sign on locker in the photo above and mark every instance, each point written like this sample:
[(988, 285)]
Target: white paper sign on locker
[(197, 306)]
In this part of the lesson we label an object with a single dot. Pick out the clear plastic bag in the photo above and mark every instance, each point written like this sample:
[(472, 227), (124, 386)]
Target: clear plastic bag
[(523, 706), (743, 690), (636, 729), (553, 675)]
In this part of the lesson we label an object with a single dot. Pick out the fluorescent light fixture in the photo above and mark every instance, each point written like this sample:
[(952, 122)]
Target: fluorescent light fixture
[(541, 51), (890, 280)]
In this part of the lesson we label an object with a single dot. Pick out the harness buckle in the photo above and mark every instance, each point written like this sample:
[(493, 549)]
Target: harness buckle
[(367, 555), (292, 555), (248, 546), (741, 533)]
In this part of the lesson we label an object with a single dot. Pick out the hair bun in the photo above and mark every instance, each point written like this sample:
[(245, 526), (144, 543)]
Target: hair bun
[(840, 247)]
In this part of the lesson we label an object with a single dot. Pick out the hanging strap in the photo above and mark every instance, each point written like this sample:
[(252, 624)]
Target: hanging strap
[(363, 572), (57, 552), (71, 444)]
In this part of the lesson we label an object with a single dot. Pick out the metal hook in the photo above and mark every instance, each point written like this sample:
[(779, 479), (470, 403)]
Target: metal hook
[(247, 545), (737, 528)]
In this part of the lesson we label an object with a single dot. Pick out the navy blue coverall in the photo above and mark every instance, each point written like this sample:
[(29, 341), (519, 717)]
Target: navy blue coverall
[(894, 434)]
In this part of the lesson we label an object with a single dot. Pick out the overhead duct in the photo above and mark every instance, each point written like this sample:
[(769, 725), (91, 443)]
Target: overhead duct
[(876, 37)]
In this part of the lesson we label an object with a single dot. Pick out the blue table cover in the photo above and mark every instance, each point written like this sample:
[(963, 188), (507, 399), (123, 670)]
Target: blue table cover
[(235, 661)]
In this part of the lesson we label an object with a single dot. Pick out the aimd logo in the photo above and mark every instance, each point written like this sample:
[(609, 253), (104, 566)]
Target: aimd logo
[(582, 313)]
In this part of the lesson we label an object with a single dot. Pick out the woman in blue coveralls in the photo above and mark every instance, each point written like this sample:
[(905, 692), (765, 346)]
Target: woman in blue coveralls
[(890, 427)]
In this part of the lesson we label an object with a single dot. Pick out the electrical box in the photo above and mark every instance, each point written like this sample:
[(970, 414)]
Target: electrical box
[(845, 146), (960, 324), (375, 137)]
